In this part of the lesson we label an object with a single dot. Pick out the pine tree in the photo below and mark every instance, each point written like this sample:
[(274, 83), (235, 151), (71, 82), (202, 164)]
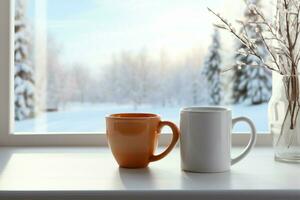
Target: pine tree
[(251, 85), (23, 74), (212, 69)]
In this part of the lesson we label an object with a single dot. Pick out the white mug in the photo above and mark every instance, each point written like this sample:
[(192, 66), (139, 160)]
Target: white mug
[(205, 139)]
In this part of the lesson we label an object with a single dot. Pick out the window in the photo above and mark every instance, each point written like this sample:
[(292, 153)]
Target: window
[(77, 61)]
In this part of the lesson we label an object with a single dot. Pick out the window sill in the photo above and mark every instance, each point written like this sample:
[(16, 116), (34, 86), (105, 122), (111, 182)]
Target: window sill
[(98, 139), (91, 173)]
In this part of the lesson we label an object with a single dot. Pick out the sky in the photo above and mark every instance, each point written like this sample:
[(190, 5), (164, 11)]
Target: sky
[(90, 32)]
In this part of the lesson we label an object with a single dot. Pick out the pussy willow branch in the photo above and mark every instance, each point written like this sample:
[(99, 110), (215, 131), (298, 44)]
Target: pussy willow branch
[(245, 41), (286, 38), (270, 28), (280, 41), (270, 52), (289, 40), (297, 27)]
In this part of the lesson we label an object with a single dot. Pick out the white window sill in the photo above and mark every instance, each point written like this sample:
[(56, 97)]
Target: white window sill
[(91, 173), (100, 139)]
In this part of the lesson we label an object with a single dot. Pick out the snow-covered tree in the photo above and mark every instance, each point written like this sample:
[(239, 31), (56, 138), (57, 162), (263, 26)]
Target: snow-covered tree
[(252, 84), (212, 70), (82, 79), (60, 80), (130, 79), (138, 78), (164, 83), (23, 73), (195, 91), (141, 79)]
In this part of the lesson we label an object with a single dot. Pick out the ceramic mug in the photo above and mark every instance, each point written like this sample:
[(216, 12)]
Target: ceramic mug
[(133, 138), (205, 139)]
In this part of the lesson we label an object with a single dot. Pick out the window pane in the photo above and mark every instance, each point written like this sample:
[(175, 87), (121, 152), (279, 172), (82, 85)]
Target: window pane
[(77, 61)]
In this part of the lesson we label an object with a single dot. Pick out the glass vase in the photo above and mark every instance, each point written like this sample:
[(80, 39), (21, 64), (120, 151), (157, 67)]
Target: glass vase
[(284, 122)]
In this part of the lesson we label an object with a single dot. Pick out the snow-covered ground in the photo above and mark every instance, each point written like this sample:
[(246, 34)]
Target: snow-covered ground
[(91, 117)]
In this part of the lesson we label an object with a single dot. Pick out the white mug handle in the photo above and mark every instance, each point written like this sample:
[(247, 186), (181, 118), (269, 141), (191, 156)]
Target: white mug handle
[(252, 138)]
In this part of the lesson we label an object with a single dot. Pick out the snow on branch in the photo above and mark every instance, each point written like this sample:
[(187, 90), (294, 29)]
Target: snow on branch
[(281, 39)]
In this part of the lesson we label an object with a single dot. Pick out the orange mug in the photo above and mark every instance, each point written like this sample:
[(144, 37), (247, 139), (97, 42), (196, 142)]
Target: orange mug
[(133, 138)]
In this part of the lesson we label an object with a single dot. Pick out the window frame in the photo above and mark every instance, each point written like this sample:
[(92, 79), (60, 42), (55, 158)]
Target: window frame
[(7, 138)]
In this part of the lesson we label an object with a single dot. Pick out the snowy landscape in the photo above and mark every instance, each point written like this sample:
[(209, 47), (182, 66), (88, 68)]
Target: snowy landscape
[(91, 118), (152, 56)]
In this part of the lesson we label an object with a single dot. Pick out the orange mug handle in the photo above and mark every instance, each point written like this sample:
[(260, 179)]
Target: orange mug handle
[(175, 138)]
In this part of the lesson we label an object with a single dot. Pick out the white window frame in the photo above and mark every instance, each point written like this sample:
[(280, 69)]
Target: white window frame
[(7, 138)]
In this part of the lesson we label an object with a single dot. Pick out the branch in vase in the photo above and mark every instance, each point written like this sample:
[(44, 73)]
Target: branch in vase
[(280, 42), (244, 40)]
